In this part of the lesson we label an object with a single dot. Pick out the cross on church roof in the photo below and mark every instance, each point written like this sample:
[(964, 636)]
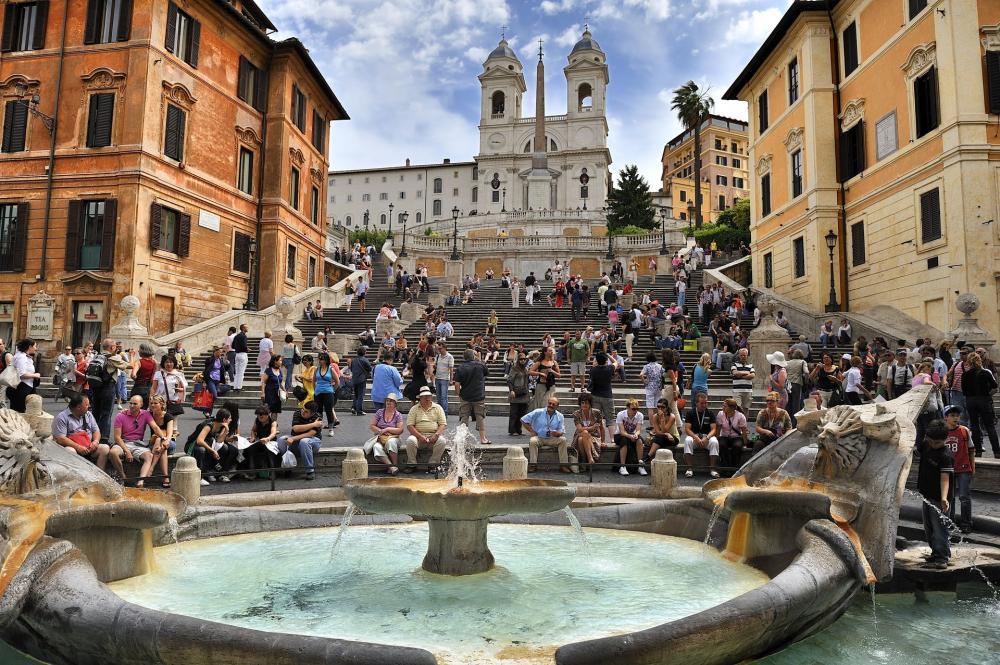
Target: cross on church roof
[(503, 32), (539, 48), (586, 23)]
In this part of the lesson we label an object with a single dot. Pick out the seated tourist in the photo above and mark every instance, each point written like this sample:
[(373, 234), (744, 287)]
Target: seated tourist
[(308, 313), (162, 446), (387, 425), (733, 434), (628, 437), (129, 436), (318, 310), (263, 431), (664, 424), (207, 444), (547, 429), (700, 430), (76, 429), (588, 438), (306, 437), (772, 423), (425, 422)]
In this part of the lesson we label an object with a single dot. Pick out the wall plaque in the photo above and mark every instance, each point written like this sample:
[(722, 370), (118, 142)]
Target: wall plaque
[(41, 314), (208, 220), (885, 136)]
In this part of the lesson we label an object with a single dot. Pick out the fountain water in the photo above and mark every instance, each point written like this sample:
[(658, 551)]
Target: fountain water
[(345, 522), (711, 523)]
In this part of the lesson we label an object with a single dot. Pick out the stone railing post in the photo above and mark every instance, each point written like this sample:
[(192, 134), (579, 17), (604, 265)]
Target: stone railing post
[(664, 472), (354, 466), (515, 464), (186, 480), (284, 307)]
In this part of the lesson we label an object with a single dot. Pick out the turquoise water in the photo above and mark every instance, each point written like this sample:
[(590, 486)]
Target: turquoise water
[(548, 588)]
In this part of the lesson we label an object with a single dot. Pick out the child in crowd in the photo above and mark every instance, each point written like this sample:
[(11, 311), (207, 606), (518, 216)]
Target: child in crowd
[(959, 444), (934, 483)]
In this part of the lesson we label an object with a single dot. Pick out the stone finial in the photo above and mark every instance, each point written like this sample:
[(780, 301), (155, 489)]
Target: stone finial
[(967, 303), (285, 307), (968, 328), (354, 466), (515, 464), (129, 305), (664, 472), (130, 330), (186, 479)]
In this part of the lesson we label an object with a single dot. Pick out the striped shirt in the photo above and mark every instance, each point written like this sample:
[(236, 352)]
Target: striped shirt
[(738, 383)]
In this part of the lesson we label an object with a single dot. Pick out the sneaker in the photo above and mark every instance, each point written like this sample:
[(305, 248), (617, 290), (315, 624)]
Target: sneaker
[(224, 479), (211, 479), (329, 432), (713, 473), (204, 482), (622, 471), (937, 564), (689, 473), (310, 476), (642, 471)]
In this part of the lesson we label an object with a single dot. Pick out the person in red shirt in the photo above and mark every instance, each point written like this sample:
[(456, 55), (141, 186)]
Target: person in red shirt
[(959, 443)]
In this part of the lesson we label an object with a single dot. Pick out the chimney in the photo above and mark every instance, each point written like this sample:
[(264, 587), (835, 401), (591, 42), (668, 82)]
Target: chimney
[(447, 160), (407, 161)]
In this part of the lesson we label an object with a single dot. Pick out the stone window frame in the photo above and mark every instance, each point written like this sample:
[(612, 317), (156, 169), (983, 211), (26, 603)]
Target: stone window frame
[(247, 137), (176, 94), (233, 230), (866, 266), (764, 167), (795, 141), (103, 80), (920, 58), (290, 280), (8, 92), (796, 280)]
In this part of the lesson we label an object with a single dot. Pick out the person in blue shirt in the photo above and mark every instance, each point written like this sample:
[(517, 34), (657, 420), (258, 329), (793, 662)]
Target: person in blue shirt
[(547, 429), (385, 379)]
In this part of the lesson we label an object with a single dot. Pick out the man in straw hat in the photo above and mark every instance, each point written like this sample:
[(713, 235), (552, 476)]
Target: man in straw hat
[(426, 423)]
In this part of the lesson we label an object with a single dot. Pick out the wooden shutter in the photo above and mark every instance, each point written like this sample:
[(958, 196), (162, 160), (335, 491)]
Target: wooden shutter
[(90, 35), (925, 99), (108, 238), (41, 22), (930, 215), (858, 243), (155, 225), (20, 238), (102, 107), (765, 194), (241, 79), (73, 235), (170, 40), (183, 234), (762, 112), (124, 21), (260, 93), (916, 6), (195, 43), (850, 48), (241, 252), (993, 81), (173, 142), (15, 124), (852, 151), (7, 41)]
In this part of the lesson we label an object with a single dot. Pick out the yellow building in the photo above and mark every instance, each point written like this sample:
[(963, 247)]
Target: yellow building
[(878, 121), (724, 168)]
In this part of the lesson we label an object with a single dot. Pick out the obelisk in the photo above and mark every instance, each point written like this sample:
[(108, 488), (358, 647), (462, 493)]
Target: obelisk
[(540, 180)]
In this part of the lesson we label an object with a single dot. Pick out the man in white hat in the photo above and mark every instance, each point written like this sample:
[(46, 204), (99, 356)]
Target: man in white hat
[(743, 375), (426, 423)]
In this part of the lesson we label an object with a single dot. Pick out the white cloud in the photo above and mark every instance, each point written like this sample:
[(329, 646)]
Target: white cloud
[(732, 108), (556, 6), (530, 48), (569, 36), (752, 27), (477, 54)]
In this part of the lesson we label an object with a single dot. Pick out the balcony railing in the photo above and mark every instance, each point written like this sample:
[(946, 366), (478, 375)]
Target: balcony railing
[(544, 243)]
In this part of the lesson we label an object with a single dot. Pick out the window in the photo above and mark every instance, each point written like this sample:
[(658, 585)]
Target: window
[(684, 215), (298, 108), (799, 250), (420, 194), (454, 191), (350, 197), (290, 263), (721, 180), (366, 197), (762, 112), (475, 195), (90, 235), (768, 271), (852, 151), (13, 236), (173, 135), (108, 21), (15, 125), (169, 230), (858, 243), (683, 196), (930, 215), (993, 81), (314, 205), (721, 160), (293, 188), (925, 101), (319, 131), (495, 196), (585, 96), (436, 208), (917, 6), (402, 177), (437, 185), (250, 84), (497, 104), (24, 26), (402, 196), (719, 145), (102, 108), (584, 191), (241, 252), (797, 173), (738, 182), (722, 201), (244, 177), (420, 217), (850, 46), (733, 147), (349, 180), (737, 164), (765, 195), (183, 35), (348, 220), (311, 272), (382, 219), (384, 196), (793, 81)]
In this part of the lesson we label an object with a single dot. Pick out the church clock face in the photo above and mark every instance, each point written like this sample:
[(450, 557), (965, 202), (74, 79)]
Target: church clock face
[(497, 141)]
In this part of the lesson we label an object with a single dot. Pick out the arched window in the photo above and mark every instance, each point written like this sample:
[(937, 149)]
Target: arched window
[(420, 217), (552, 146), (436, 209), (497, 104), (348, 220), (585, 96), (437, 185), (475, 195), (527, 146), (382, 219)]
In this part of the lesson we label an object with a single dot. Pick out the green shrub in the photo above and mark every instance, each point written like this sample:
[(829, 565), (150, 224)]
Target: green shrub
[(370, 237), (633, 230), (726, 237)]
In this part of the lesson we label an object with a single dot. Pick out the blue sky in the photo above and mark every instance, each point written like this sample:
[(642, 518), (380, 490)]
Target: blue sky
[(406, 70)]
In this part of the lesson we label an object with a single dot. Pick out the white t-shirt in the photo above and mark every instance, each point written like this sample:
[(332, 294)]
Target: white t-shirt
[(852, 380), (629, 424)]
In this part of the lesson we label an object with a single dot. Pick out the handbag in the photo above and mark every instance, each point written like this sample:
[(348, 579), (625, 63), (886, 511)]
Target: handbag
[(175, 408), (288, 460), (297, 356), (282, 394), (203, 401), (345, 391), (9, 377)]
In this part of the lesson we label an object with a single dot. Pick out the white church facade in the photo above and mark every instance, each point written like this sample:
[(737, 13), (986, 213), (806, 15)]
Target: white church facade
[(524, 163)]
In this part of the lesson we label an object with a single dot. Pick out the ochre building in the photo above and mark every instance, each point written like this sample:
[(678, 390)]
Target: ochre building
[(160, 149), (878, 122)]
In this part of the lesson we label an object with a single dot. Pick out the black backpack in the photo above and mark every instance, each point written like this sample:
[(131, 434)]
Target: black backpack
[(98, 375)]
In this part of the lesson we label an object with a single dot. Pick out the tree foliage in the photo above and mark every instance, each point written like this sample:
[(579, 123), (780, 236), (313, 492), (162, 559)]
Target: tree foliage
[(737, 216), (372, 237), (629, 203)]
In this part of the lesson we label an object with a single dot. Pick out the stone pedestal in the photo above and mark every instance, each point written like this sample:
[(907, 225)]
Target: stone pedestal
[(41, 422), (705, 343), (129, 331), (540, 190), (285, 307), (664, 472), (393, 326), (341, 344), (515, 464), (766, 338), (354, 466), (627, 300), (436, 299), (453, 273), (411, 311), (186, 480), (457, 547), (968, 329)]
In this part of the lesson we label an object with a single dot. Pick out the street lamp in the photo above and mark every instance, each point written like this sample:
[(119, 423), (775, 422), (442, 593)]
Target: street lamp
[(584, 190), (366, 221), (503, 205), (389, 236), (21, 90), (610, 256), (690, 217), (250, 304), (831, 242), (454, 238), (663, 231), (402, 251)]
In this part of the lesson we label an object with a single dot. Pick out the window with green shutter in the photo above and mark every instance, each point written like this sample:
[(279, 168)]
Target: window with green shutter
[(799, 252), (90, 234), (930, 215), (13, 236), (108, 21), (173, 140), (925, 102), (993, 81), (15, 125), (99, 119), (183, 35), (858, 256), (24, 26)]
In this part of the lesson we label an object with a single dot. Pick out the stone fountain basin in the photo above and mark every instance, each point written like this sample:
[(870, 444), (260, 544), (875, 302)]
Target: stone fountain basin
[(441, 499)]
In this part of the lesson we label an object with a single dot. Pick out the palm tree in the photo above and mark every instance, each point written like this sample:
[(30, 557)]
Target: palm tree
[(693, 106)]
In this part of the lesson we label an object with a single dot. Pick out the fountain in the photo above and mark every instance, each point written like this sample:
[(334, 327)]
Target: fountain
[(458, 512)]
